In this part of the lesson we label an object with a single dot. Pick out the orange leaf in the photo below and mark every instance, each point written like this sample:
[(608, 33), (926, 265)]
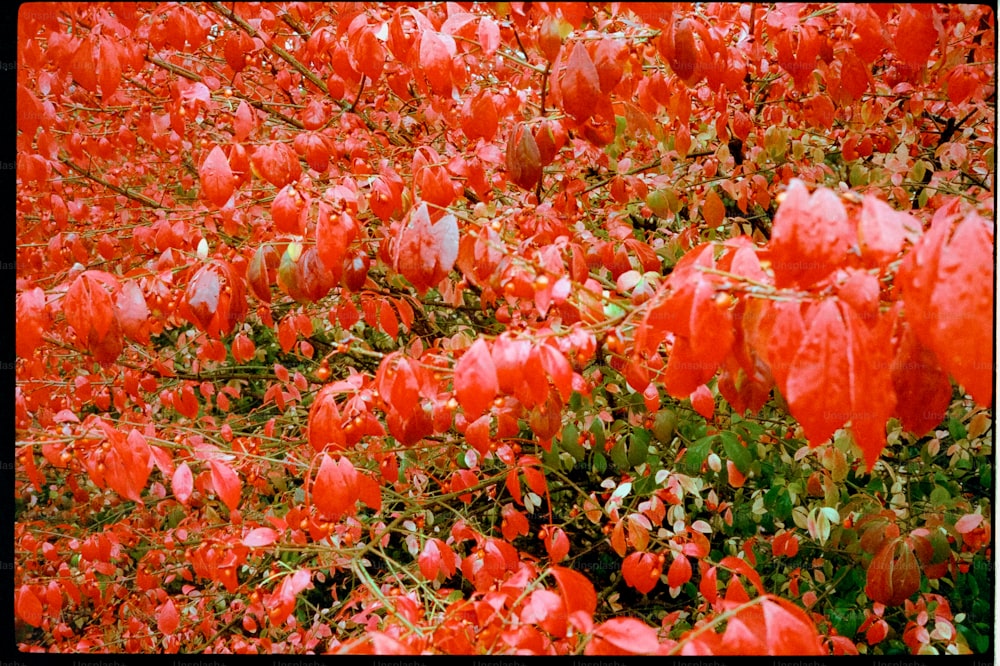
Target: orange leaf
[(713, 211)]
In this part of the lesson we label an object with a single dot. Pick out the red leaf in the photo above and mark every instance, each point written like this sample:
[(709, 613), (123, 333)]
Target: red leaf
[(369, 490), (580, 85), (683, 58), (642, 571), (427, 253), (277, 163), (435, 558), (882, 230), (217, 180), (132, 312), (820, 378), (703, 401), (334, 234), (558, 368), (286, 210), (739, 566), (514, 523), (532, 387), (479, 117), (182, 483), (915, 36), (811, 236), (893, 575), (326, 428), (27, 606), (489, 35), (922, 389), (128, 465), (772, 627), (335, 489), (226, 483), (556, 543), (435, 61), (203, 297), (524, 165), (366, 53), (679, 572), (83, 66), (89, 310), (244, 121), (33, 319), (961, 308), (475, 380), (628, 635), (545, 608), (578, 593), (283, 599), (260, 537), (968, 522), (167, 618), (609, 60)]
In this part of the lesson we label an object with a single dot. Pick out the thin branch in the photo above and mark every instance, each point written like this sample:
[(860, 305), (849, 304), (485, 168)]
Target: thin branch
[(631, 172), (134, 196), (357, 99), (274, 48)]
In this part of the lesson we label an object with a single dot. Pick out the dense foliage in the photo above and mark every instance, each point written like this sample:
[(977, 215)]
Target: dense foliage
[(538, 328)]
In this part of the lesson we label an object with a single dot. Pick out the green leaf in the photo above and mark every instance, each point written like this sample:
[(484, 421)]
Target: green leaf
[(600, 462), (618, 455), (956, 429), (638, 447), (697, 453), (846, 620), (739, 454), (597, 428), (939, 496)]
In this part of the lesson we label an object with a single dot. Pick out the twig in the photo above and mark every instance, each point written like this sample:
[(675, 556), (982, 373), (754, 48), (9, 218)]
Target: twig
[(274, 48), (134, 196)]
